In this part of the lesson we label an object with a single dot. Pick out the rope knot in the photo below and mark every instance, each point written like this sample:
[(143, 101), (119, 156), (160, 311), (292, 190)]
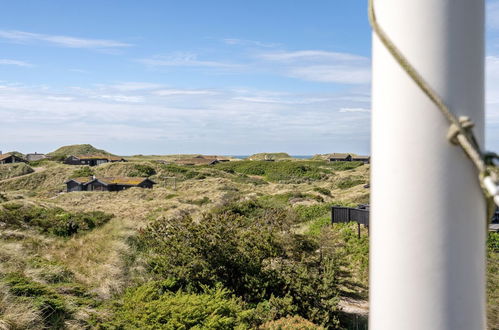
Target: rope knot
[(465, 124)]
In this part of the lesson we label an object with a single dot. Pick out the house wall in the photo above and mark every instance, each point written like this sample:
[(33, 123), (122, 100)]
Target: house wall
[(97, 186), (12, 159), (74, 186), (146, 184)]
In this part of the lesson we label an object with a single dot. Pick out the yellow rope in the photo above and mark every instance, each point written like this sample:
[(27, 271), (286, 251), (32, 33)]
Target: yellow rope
[(461, 129)]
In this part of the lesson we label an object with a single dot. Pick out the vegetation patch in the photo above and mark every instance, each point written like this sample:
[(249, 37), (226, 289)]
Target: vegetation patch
[(142, 170), (54, 221), (253, 252), (198, 202), (8, 171), (349, 182), (76, 149), (49, 304), (323, 191), (84, 171), (283, 171), (162, 305), (493, 280)]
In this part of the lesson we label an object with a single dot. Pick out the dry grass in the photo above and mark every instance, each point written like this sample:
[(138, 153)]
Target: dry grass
[(99, 259)]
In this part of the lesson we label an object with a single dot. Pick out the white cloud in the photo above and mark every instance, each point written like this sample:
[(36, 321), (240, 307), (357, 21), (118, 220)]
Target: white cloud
[(282, 100), (122, 98), (134, 86), (59, 98), (245, 42), (321, 66), (15, 62), (176, 92), (311, 55), (354, 110), (62, 41), (228, 121), (183, 59)]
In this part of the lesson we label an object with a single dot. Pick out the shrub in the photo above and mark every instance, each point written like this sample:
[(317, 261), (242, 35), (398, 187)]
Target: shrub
[(154, 306), (142, 170), (8, 171), (50, 305), (84, 171), (198, 202), (291, 323), (51, 220), (251, 251), (323, 191), (282, 171), (349, 182)]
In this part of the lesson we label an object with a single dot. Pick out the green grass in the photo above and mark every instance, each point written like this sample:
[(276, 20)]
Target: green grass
[(8, 171), (349, 182), (54, 221), (282, 171)]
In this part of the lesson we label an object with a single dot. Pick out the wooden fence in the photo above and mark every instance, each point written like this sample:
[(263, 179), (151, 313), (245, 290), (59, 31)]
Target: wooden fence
[(341, 214)]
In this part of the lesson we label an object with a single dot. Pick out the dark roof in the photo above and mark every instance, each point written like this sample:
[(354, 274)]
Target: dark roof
[(97, 157), (5, 156), (126, 181), (196, 161), (361, 157), (339, 155)]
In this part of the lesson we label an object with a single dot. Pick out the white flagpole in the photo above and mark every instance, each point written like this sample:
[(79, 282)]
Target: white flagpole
[(427, 210)]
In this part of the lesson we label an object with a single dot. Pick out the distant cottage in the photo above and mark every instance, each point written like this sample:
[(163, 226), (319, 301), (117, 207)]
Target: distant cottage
[(34, 157), (219, 158), (92, 160), (107, 184), (11, 158), (338, 157), (197, 161)]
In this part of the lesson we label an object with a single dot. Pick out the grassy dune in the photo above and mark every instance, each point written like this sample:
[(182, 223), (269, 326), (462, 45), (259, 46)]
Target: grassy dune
[(88, 279)]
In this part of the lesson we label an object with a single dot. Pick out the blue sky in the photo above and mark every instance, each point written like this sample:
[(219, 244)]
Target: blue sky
[(223, 77)]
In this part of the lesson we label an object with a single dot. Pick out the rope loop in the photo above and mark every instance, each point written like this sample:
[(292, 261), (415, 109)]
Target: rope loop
[(461, 129), (465, 125)]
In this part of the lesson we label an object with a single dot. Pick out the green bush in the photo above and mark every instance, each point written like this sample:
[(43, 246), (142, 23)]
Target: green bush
[(252, 251), (198, 202), (282, 171), (84, 171), (51, 220), (323, 191), (290, 323), (153, 306), (349, 182), (8, 171), (180, 172), (50, 305), (142, 170)]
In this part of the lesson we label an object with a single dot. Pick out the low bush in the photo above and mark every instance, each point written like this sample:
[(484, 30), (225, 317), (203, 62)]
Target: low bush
[(84, 171), (49, 304), (198, 202), (253, 252), (281, 171), (290, 323), (323, 191), (142, 170), (349, 182), (8, 171), (51, 220), (160, 305)]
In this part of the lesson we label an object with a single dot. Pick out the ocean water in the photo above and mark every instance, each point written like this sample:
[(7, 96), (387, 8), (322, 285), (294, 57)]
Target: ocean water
[(294, 156)]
